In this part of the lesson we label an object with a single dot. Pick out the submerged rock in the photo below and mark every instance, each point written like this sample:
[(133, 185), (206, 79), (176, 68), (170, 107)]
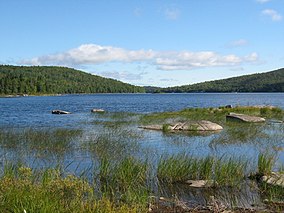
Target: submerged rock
[(200, 183), (245, 118), (186, 126), (275, 179), (56, 111)]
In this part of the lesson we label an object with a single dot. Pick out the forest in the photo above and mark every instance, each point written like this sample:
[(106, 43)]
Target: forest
[(272, 81), (37, 80)]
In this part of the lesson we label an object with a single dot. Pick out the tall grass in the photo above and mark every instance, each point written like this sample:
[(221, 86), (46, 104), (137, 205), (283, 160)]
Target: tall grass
[(265, 163), (22, 189), (212, 114), (47, 140), (124, 181), (180, 168)]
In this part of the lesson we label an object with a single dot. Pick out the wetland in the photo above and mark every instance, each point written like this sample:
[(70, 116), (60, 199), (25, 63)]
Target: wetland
[(102, 162)]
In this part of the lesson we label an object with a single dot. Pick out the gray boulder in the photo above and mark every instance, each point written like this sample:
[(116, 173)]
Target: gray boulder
[(186, 126), (245, 118)]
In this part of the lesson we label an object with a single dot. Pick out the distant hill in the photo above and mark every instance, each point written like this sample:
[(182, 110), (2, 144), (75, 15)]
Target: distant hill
[(262, 82), (57, 80)]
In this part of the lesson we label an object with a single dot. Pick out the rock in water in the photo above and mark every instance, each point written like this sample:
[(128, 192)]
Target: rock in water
[(200, 183), (275, 179), (197, 126), (97, 110), (187, 126), (244, 118), (58, 112)]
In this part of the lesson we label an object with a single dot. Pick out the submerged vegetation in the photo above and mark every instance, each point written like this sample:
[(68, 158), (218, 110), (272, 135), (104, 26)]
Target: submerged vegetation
[(116, 167)]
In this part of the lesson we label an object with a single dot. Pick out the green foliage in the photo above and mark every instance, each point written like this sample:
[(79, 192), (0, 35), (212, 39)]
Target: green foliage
[(22, 189), (166, 128), (57, 80), (263, 82), (265, 163), (180, 168), (217, 115)]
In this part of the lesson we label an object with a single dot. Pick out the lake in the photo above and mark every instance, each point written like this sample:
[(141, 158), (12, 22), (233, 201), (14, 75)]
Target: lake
[(77, 142), (36, 111)]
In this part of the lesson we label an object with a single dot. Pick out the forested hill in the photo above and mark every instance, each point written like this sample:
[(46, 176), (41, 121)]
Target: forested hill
[(262, 82), (57, 80)]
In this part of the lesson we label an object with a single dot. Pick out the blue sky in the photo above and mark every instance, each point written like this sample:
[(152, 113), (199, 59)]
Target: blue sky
[(146, 42)]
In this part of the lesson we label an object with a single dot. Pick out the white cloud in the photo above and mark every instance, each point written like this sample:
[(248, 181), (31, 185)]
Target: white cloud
[(237, 43), (123, 75), (91, 54), (191, 60), (274, 15), (172, 13), (263, 1)]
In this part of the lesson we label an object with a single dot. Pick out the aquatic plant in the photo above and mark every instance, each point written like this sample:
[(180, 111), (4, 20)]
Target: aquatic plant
[(265, 164), (180, 168), (22, 189)]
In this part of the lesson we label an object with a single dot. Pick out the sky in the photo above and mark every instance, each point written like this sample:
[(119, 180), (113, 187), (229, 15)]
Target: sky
[(146, 42)]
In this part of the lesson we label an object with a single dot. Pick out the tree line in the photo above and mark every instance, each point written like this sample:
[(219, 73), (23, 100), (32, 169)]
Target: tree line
[(262, 82), (57, 80)]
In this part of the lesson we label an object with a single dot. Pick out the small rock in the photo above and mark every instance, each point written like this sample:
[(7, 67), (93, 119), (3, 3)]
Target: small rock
[(200, 183), (97, 110), (245, 118), (58, 112)]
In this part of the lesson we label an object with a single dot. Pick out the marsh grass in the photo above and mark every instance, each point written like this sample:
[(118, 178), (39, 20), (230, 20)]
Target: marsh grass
[(217, 115), (116, 119), (176, 168), (265, 164), (240, 133), (230, 172), (123, 178), (124, 181), (47, 140), (22, 188), (180, 168), (114, 143)]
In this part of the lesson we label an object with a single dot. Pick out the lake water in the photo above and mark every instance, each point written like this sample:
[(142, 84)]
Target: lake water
[(36, 111), (18, 115)]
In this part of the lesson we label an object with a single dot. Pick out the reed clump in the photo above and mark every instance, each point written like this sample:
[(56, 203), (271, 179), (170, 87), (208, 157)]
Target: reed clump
[(265, 164), (124, 181), (180, 168)]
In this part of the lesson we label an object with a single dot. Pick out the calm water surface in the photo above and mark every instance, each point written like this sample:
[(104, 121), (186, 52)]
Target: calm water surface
[(36, 111)]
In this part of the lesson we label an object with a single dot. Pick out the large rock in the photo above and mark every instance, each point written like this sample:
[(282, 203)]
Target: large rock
[(244, 118), (187, 126)]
